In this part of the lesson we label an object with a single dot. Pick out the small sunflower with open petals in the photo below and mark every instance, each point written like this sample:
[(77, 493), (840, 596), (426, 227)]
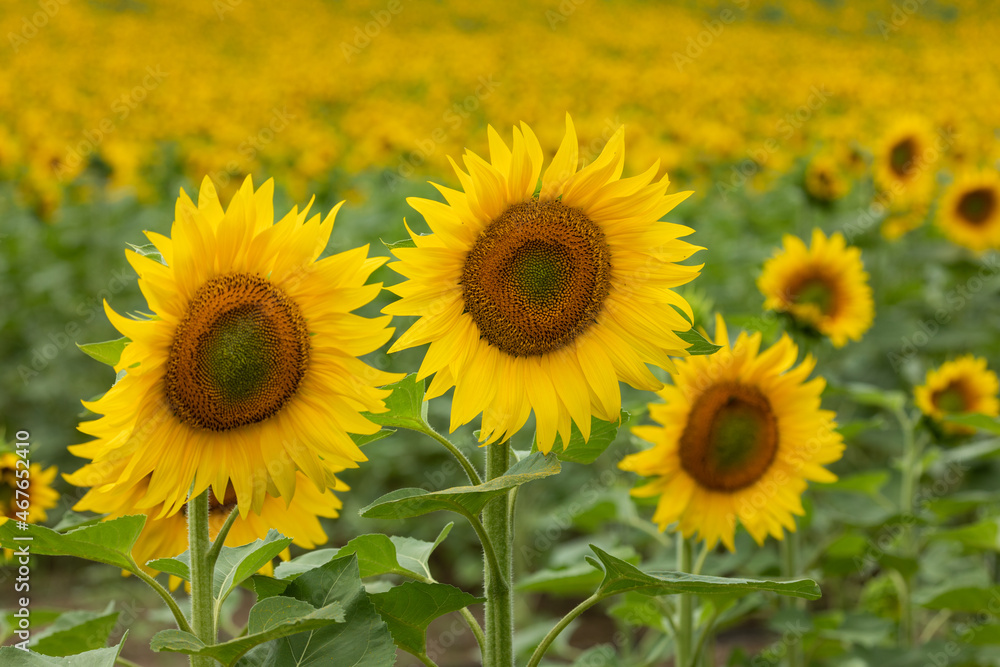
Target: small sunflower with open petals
[(247, 371), (543, 302), (824, 286), (739, 435), (962, 386), (969, 213)]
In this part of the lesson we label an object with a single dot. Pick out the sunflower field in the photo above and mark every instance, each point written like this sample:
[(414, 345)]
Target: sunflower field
[(581, 332)]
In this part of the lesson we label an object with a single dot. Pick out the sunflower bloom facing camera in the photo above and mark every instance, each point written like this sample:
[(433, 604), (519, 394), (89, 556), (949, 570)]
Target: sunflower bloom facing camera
[(969, 214), (739, 435), (823, 287), (543, 302), (247, 371), (962, 386)]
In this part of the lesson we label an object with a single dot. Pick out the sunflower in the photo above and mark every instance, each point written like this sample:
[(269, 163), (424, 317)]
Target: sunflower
[(248, 369), (904, 162), (824, 287), (825, 182), (544, 301), (296, 517), (960, 386), (40, 494), (739, 434), (969, 213)]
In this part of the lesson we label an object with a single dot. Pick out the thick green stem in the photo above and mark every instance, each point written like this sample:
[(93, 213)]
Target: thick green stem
[(790, 565), (202, 609), (499, 529), (682, 642)]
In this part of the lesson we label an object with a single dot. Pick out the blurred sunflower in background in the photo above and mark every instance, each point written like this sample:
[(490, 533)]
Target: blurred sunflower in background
[(296, 517), (544, 302), (969, 213), (823, 287), (904, 162), (824, 180), (248, 369), (40, 494), (738, 436), (957, 387)]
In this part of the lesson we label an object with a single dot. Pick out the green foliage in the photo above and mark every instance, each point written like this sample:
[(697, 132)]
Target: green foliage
[(108, 352), (362, 640), (602, 434), (107, 542), (409, 608), (464, 500), (271, 619), (75, 631)]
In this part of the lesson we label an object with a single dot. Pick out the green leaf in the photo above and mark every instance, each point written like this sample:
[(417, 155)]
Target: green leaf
[(363, 640), (699, 344), (148, 250), (965, 598), (620, 577), (578, 579), (265, 586), (976, 421), (415, 555), (866, 483), (409, 608), (973, 451), (107, 542), (981, 536), (406, 406), (602, 434), (867, 394), (406, 503), (361, 439), (102, 657), (76, 631), (270, 619), (395, 245), (71, 519), (108, 352), (235, 564), (377, 555)]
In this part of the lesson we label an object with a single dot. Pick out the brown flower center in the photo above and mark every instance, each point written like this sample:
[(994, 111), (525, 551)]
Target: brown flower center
[(977, 206), (238, 355), (901, 158), (536, 277), (731, 437)]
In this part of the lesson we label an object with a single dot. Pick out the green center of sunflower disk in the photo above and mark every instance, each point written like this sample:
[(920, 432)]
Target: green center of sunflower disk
[(238, 356), (951, 399), (814, 290), (901, 157), (731, 437), (977, 206), (536, 277)]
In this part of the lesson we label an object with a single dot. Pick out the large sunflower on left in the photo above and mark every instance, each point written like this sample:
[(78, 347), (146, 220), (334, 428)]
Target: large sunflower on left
[(247, 371), (543, 302)]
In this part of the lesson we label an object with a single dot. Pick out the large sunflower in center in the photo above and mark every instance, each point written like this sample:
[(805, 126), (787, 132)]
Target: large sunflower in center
[(738, 436), (248, 370), (545, 301)]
